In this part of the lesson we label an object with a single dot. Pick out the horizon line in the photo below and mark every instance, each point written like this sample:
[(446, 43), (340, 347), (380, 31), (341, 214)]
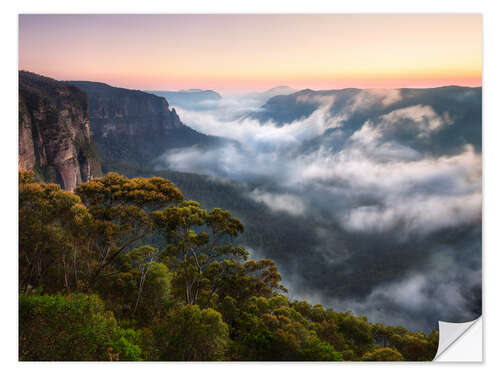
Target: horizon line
[(249, 90)]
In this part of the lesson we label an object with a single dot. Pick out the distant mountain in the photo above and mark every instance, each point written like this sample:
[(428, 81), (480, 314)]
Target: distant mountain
[(188, 99), (262, 97), (460, 107), (278, 90), (54, 134), (135, 126)]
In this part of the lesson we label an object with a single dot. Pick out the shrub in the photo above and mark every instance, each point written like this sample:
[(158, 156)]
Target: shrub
[(192, 334), (72, 328)]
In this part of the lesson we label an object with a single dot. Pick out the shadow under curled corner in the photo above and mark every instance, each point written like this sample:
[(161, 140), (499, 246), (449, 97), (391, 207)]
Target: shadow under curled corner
[(460, 342)]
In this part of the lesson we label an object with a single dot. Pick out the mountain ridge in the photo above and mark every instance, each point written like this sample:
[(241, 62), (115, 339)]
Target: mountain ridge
[(135, 126)]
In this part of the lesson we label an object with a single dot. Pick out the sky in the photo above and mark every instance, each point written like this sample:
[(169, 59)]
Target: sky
[(238, 53)]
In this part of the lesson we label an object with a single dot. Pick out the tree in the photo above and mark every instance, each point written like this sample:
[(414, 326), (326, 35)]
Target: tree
[(270, 329), (416, 346), (328, 331), (317, 350), (72, 328), (143, 257), (195, 296), (192, 334), (240, 281), (121, 209), (357, 331), (51, 227), (383, 354), (140, 287), (192, 252)]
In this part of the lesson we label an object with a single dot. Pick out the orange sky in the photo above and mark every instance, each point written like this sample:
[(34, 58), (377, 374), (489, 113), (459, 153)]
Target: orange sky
[(232, 53)]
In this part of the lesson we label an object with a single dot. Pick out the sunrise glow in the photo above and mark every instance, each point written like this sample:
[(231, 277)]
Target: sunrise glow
[(232, 53)]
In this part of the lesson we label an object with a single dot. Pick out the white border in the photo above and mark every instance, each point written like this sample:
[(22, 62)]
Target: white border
[(491, 152), (466, 347)]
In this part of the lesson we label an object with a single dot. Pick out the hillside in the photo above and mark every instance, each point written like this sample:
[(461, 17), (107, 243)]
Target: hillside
[(90, 294), (352, 108)]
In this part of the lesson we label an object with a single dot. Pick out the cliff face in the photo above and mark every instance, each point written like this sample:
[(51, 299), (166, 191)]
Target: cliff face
[(134, 126), (54, 134)]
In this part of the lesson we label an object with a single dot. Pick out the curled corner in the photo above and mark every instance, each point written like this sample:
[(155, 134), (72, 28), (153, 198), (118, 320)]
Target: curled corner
[(465, 338)]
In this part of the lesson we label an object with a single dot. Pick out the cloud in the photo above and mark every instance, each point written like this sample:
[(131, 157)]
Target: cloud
[(370, 98), (322, 100), (437, 293), (397, 229), (422, 117), (252, 133), (362, 100), (280, 202), (417, 213)]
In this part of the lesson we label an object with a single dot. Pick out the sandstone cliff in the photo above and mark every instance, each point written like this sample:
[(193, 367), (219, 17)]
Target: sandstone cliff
[(54, 134), (134, 126)]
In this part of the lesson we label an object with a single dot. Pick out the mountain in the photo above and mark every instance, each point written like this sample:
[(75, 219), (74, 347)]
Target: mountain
[(278, 90), (54, 134), (188, 99), (458, 108), (135, 126), (262, 97)]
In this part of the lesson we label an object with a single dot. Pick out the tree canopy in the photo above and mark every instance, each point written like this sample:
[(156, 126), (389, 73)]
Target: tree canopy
[(126, 269)]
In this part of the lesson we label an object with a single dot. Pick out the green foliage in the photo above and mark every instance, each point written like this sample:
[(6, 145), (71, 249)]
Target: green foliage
[(140, 288), (271, 329), (357, 331), (193, 252), (415, 346), (192, 334), (383, 354), (317, 350), (71, 328), (50, 227), (121, 211), (173, 275)]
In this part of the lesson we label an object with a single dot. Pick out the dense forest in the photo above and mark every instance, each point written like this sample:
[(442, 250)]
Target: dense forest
[(127, 269)]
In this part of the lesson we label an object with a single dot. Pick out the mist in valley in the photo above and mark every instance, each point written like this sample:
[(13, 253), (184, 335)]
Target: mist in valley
[(386, 186)]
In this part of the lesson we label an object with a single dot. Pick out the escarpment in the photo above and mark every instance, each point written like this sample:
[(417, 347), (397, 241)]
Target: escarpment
[(134, 126), (54, 134)]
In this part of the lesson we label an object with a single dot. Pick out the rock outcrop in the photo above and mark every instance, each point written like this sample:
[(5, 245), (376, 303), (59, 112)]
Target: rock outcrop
[(133, 126), (54, 133)]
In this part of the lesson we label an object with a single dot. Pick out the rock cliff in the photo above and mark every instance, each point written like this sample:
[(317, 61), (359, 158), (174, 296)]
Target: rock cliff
[(54, 133), (134, 126)]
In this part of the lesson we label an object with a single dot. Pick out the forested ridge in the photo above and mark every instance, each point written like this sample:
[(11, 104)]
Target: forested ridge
[(127, 269)]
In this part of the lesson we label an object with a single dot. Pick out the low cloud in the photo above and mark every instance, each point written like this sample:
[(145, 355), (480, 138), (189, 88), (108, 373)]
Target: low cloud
[(280, 202), (420, 297), (397, 229), (253, 134), (369, 98), (422, 117)]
